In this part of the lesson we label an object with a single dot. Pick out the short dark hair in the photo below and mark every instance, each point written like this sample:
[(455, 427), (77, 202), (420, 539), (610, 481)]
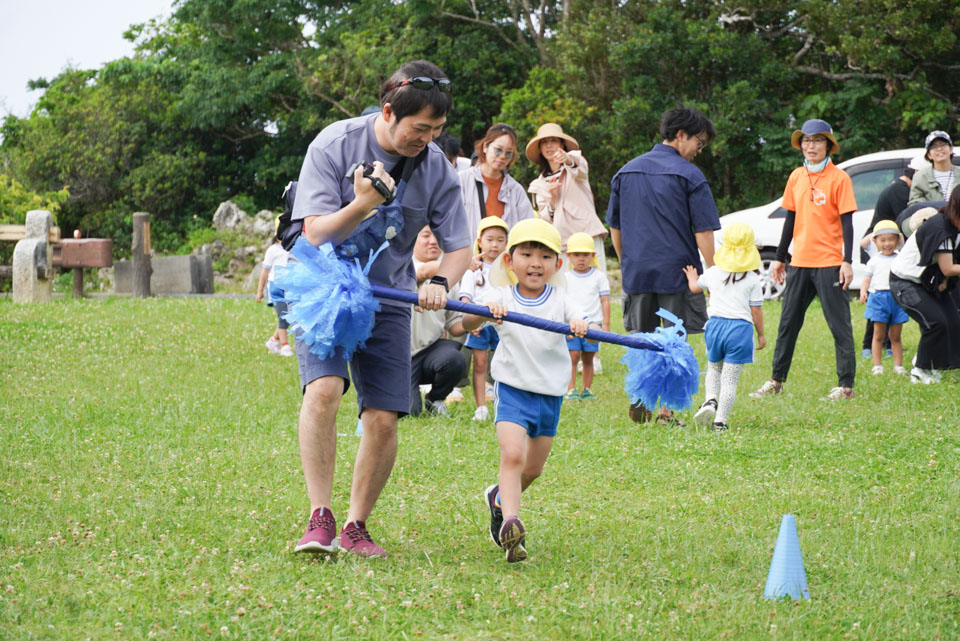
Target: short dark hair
[(909, 172), (408, 100), (690, 121), (532, 244), (449, 145)]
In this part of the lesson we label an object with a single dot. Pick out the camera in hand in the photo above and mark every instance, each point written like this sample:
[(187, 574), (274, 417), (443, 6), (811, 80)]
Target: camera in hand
[(379, 185)]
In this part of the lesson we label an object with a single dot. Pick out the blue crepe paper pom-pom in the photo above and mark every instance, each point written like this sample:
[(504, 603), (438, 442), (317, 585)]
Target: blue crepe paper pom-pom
[(671, 377), (329, 298)]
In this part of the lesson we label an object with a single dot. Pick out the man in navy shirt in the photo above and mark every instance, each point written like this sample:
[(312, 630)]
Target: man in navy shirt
[(660, 213)]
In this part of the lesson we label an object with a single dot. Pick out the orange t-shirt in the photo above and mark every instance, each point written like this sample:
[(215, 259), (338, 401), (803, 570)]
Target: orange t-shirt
[(493, 204), (818, 199)]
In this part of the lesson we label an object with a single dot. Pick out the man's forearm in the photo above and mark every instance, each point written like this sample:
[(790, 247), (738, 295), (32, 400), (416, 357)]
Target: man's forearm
[(706, 246), (616, 241), (454, 264), (335, 227)]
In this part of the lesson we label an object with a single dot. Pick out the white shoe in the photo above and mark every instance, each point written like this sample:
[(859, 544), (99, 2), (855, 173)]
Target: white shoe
[(273, 344), (767, 389), (425, 389), (707, 411), (438, 407), (923, 376), (877, 370), (898, 369), (454, 396), (286, 350), (481, 414)]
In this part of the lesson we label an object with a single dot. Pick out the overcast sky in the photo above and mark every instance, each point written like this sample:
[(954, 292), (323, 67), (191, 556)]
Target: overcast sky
[(39, 38)]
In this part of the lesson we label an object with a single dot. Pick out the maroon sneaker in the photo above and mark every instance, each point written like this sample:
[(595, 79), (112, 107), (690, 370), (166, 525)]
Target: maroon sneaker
[(356, 539), (512, 536), (321, 534)]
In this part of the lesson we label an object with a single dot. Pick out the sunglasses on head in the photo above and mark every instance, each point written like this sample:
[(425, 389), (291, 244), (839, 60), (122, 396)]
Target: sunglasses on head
[(423, 82)]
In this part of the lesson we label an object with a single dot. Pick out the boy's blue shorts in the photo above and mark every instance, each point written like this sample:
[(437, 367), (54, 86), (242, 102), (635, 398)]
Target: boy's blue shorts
[(729, 340), (380, 371), (577, 344), (538, 413), (882, 308), (488, 339)]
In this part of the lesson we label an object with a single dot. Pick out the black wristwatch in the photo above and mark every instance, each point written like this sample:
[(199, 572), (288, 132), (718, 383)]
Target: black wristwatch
[(440, 280)]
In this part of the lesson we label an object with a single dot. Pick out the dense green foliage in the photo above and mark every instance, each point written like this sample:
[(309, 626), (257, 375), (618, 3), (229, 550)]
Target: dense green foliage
[(222, 99)]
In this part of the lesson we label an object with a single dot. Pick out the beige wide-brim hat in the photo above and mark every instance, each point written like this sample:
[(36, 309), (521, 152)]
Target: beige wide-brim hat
[(549, 130)]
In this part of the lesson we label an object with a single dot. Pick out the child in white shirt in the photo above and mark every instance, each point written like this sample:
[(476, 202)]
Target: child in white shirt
[(589, 286), (491, 240), (882, 309), (530, 368), (275, 256), (734, 310)]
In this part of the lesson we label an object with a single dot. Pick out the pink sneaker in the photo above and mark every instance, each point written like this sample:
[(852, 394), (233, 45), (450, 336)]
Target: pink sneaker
[(356, 539), (321, 534)]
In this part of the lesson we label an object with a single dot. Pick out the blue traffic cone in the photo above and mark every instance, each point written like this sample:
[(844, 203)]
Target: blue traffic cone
[(787, 576)]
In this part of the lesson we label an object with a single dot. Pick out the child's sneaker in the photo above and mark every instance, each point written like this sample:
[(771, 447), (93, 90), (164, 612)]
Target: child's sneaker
[(286, 350), (321, 534), (923, 376), (273, 344), (572, 395), (496, 514), (839, 393), (455, 396), (587, 395), (719, 426), (769, 388), (898, 369), (437, 407), (488, 392), (707, 411), (512, 536), (877, 370), (867, 353), (481, 414), (356, 539)]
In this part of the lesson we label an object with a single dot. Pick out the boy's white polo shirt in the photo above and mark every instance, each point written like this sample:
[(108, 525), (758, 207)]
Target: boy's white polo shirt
[(531, 359), (586, 289)]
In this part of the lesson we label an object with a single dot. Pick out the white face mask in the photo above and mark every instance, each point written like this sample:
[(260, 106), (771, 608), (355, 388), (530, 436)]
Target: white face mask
[(816, 167)]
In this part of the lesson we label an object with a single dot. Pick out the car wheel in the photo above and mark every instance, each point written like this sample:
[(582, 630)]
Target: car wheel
[(771, 291)]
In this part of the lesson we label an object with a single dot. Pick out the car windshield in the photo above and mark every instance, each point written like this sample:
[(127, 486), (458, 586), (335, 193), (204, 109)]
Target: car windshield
[(867, 186)]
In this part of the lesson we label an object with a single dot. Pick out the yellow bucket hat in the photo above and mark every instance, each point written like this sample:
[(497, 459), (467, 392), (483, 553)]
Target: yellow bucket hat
[(528, 230), (739, 251), (582, 243), (487, 223)]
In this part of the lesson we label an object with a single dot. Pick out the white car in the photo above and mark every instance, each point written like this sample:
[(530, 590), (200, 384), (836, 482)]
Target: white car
[(870, 175)]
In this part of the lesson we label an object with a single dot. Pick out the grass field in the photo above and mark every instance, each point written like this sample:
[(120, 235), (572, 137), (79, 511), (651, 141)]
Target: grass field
[(151, 488)]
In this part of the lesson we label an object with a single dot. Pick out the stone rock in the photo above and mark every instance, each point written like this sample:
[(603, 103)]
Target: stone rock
[(250, 284), (33, 261), (228, 216), (263, 224)]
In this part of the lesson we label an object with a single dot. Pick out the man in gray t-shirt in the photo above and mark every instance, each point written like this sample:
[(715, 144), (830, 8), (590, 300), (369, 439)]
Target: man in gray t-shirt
[(414, 103)]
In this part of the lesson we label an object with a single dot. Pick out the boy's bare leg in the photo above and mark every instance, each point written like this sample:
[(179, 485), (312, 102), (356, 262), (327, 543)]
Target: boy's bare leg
[(588, 369), (513, 455), (538, 449), (281, 335), (479, 376), (876, 348), (317, 430), (375, 458), (895, 344), (574, 359)]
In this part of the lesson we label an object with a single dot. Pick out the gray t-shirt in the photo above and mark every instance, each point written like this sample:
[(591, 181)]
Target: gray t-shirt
[(432, 195)]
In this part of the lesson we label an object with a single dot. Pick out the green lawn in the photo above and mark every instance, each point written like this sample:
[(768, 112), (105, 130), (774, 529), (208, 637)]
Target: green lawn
[(151, 488)]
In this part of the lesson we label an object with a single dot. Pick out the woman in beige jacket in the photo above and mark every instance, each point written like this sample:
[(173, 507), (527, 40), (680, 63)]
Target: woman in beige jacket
[(562, 191)]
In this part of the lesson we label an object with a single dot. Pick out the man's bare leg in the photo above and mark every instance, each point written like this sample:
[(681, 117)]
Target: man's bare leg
[(318, 437), (375, 458)]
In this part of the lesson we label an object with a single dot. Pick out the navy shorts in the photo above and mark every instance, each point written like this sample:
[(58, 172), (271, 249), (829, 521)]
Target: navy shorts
[(539, 414), (577, 344), (488, 339), (380, 371), (882, 308), (729, 340)]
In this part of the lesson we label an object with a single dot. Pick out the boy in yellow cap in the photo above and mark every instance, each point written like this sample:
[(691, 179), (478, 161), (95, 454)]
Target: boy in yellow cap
[(588, 286), (491, 241), (530, 369), (734, 311), (882, 309)]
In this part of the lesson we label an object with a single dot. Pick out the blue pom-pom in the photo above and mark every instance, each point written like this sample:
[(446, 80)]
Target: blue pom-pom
[(330, 299), (671, 377)]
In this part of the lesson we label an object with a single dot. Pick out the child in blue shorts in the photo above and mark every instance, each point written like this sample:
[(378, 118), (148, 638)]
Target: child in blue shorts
[(882, 309), (734, 311), (589, 286), (531, 368), (491, 241)]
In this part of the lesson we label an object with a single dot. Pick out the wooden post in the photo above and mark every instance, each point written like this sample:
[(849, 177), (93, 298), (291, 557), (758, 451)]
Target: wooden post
[(141, 255), (78, 282)]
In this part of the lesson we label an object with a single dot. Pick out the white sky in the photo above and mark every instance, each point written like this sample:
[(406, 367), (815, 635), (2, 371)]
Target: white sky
[(39, 38)]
